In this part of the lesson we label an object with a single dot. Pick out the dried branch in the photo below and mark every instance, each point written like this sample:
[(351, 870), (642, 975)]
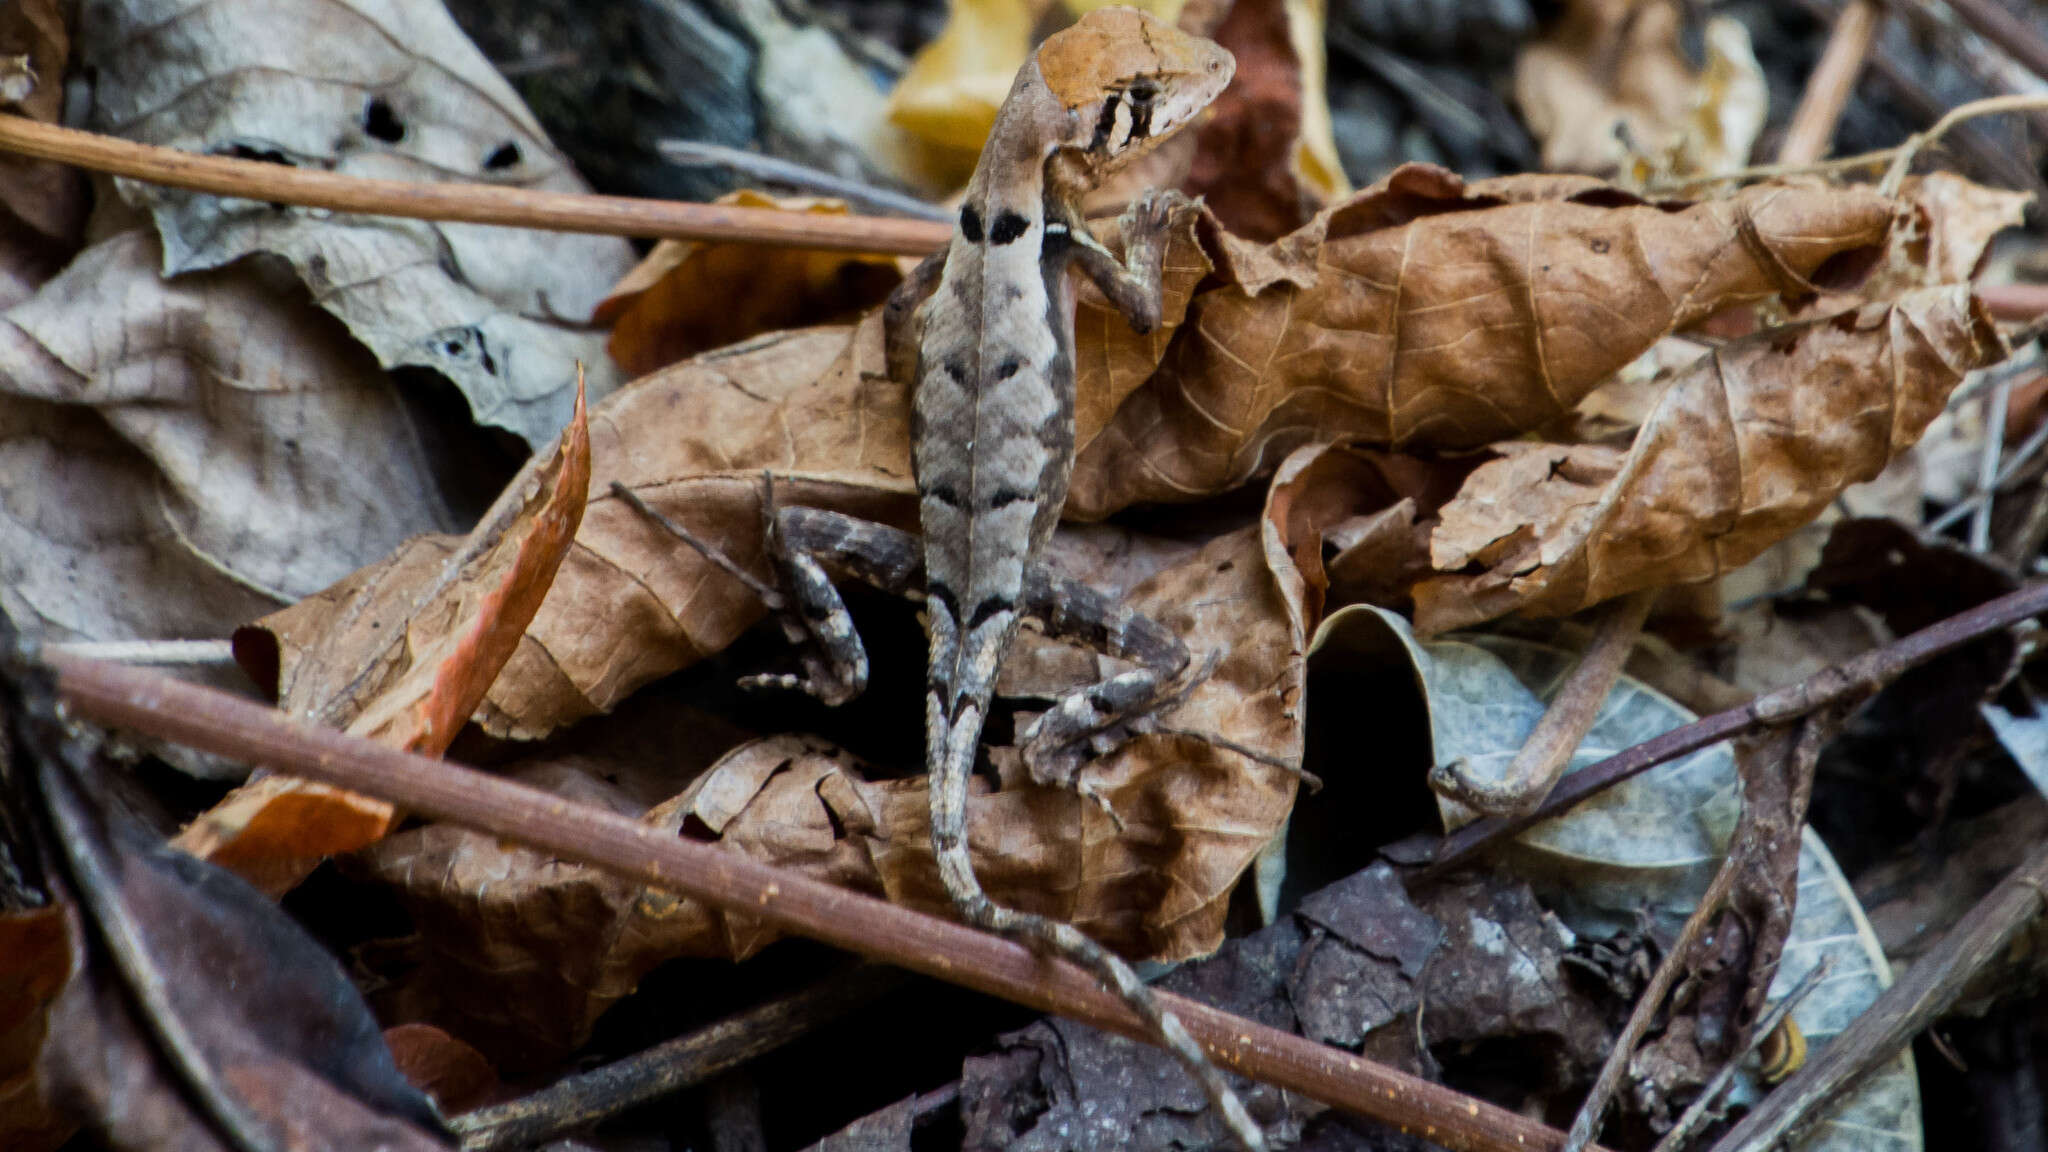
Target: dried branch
[(1899, 1014), (1543, 756), (1831, 685), (250, 733), (2014, 36), (670, 1067), (1831, 83), (1702, 1108), (469, 203)]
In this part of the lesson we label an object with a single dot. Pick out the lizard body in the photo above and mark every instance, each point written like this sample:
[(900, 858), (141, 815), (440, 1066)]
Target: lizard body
[(993, 412), (985, 332)]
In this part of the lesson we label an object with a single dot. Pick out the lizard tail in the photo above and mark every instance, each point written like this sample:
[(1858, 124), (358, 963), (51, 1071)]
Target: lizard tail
[(948, 782)]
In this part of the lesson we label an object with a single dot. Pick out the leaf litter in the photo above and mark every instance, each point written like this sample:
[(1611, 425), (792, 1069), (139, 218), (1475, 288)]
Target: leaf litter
[(1474, 402)]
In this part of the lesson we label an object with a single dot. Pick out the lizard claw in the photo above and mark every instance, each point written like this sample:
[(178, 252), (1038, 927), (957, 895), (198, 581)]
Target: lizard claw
[(1096, 721)]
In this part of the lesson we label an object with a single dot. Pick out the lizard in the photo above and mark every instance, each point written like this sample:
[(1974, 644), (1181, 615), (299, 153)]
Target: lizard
[(984, 331)]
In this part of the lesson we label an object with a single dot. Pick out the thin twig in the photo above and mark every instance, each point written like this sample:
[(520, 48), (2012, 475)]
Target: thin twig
[(670, 1067), (470, 203), (216, 653), (1987, 462), (1830, 84), (789, 901), (1895, 176), (817, 181), (1900, 1012), (1676, 963), (1703, 1106), (1830, 685), (1564, 724), (2014, 302), (2014, 36)]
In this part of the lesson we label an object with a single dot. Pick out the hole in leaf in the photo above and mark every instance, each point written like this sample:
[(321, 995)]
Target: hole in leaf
[(502, 157), (381, 123)]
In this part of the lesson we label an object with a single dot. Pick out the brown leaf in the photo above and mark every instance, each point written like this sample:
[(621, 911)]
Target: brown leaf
[(184, 455), (457, 1076), (1746, 445), (1249, 143), (35, 964), (1426, 312), (1610, 88), (561, 942), (43, 194), (410, 679), (815, 406), (1375, 507), (684, 297)]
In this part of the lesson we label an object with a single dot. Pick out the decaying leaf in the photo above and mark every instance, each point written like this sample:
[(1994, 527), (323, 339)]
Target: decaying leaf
[(1263, 156), (35, 965), (1193, 812), (1647, 845), (197, 1015), (1426, 312), (1746, 445), (45, 201), (1357, 965), (1609, 90), (182, 456), (410, 679), (685, 298), (950, 94), (370, 90)]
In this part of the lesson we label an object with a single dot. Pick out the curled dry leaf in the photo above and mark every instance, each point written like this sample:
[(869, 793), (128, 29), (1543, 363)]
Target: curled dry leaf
[(391, 91), (1425, 312), (410, 679), (1746, 445), (815, 407), (561, 942), (1609, 88), (685, 297), (184, 455)]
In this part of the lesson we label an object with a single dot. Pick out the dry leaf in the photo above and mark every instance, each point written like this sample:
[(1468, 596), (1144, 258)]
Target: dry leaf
[(693, 441), (1748, 444), (367, 90), (1263, 155), (1426, 312), (409, 679), (1609, 90), (951, 91), (183, 456), (685, 298), (561, 942), (35, 964), (45, 200)]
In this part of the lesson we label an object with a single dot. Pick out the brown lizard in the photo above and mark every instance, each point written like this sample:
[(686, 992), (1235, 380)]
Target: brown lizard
[(985, 330)]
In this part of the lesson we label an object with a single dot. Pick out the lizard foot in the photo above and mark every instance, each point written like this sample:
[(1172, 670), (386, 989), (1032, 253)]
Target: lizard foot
[(1095, 721)]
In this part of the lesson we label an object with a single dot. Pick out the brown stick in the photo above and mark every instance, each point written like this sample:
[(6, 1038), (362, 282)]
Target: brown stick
[(1901, 1012), (2012, 34), (1830, 685), (1832, 82), (252, 734), (2020, 303), (669, 1067), (1542, 759), (469, 203)]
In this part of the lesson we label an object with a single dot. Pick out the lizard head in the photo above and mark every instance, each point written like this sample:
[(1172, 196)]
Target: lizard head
[(1127, 81)]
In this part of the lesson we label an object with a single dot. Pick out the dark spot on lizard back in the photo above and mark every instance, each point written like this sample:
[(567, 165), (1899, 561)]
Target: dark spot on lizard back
[(970, 224), (944, 493), (987, 609), (1008, 367), (1004, 497), (1008, 227), (940, 593)]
